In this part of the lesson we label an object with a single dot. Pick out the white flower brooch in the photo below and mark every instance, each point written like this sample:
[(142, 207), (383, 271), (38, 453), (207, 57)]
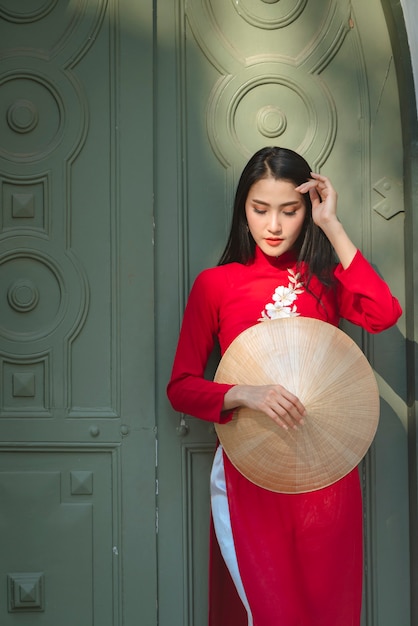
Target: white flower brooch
[(283, 299)]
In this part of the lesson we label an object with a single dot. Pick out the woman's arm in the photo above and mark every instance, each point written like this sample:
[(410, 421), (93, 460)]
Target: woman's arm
[(363, 297), (188, 390)]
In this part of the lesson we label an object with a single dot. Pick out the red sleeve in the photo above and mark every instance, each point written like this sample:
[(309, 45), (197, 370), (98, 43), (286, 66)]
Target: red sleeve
[(188, 391), (364, 298)]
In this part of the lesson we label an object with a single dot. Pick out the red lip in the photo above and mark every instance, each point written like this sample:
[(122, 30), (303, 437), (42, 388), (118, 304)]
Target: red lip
[(274, 242)]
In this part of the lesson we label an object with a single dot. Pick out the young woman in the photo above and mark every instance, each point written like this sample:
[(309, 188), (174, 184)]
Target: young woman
[(294, 559)]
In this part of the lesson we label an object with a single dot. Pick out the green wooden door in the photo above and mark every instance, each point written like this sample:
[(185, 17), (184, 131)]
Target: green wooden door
[(77, 462), (110, 109), (233, 77)]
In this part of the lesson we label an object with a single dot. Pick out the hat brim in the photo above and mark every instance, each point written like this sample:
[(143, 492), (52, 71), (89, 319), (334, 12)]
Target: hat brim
[(329, 373)]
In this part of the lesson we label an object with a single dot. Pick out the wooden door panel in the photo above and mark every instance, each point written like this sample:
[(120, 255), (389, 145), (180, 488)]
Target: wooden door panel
[(76, 317), (56, 505)]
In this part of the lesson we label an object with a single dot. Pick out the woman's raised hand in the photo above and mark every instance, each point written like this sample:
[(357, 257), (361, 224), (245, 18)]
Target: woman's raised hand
[(323, 197), (324, 214)]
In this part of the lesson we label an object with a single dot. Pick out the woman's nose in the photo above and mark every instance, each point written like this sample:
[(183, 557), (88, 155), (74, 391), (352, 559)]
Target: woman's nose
[(275, 224)]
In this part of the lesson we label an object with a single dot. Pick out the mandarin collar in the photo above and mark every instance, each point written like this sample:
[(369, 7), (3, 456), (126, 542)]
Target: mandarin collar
[(279, 262)]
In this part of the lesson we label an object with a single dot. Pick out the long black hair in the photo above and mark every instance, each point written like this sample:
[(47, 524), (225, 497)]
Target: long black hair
[(313, 247)]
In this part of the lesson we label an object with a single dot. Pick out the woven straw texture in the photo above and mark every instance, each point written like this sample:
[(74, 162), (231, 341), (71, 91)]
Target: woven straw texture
[(329, 373)]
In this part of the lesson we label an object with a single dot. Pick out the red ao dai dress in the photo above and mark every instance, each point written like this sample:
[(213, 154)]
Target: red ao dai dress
[(288, 559)]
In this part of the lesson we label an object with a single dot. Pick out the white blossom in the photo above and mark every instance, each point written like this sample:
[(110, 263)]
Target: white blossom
[(283, 299)]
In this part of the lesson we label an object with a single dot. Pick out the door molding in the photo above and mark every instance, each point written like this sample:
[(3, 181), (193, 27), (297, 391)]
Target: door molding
[(399, 39)]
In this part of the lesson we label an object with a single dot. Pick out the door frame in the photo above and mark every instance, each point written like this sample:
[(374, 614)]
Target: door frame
[(402, 57), (396, 28)]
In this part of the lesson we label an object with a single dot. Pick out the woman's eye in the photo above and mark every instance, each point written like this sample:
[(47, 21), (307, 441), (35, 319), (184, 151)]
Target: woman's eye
[(259, 211)]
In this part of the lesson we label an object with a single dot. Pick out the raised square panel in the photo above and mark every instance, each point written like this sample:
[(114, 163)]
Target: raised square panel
[(25, 388), (24, 385), (23, 205), (81, 483), (26, 591)]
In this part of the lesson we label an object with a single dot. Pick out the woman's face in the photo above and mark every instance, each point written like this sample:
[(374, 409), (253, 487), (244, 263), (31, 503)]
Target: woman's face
[(275, 215)]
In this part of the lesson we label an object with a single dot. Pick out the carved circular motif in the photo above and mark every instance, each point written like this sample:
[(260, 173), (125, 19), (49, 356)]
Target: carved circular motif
[(271, 122), (37, 286), (36, 295), (25, 10), (271, 101), (25, 133), (22, 116), (269, 14), (22, 295), (248, 106)]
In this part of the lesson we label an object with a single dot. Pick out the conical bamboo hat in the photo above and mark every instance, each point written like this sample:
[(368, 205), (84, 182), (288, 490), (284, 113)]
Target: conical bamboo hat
[(329, 373)]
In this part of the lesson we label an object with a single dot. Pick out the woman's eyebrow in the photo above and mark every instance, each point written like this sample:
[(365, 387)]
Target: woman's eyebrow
[(284, 204), (260, 202)]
